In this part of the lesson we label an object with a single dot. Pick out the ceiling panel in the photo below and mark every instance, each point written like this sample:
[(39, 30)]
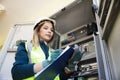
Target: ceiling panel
[(74, 15)]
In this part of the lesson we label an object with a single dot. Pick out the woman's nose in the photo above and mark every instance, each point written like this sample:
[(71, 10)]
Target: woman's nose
[(49, 31)]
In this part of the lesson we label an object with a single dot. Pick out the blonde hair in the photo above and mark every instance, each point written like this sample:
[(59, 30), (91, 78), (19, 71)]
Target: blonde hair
[(35, 39)]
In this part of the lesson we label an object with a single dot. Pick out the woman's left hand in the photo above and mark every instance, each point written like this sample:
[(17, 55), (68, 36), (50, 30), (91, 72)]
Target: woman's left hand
[(55, 54)]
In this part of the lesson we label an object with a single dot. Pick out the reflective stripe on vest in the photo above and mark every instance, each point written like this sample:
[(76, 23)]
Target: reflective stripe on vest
[(37, 55)]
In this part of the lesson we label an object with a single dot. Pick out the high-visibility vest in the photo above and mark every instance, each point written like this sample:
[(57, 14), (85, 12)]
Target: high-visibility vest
[(36, 55)]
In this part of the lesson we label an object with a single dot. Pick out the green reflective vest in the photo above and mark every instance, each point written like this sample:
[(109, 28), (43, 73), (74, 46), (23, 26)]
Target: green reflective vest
[(36, 55)]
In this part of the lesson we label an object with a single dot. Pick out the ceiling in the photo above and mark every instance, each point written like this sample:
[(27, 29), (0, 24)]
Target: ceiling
[(18, 12), (74, 15)]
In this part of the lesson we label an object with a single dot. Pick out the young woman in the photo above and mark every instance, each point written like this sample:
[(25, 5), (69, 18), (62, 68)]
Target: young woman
[(32, 57), (28, 62)]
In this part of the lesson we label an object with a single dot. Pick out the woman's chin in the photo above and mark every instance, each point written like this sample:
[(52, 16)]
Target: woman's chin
[(47, 40)]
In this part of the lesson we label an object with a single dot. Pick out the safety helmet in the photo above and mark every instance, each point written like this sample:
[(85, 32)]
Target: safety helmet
[(42, 19)]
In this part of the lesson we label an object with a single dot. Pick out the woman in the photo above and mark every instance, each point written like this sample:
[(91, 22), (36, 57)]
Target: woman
[(28, 62), (34, 56)]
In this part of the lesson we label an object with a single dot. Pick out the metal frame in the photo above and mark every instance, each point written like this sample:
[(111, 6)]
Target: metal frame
[(99, 57), (103, 37), (6, 45)]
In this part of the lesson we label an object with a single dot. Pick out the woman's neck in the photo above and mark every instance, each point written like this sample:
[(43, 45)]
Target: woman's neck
[(43, 41)]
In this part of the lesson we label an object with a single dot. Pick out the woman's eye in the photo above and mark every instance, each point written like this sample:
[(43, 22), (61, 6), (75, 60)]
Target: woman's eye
[(45, 28)]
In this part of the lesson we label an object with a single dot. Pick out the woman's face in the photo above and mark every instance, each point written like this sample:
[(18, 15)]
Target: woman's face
[(46, 31)]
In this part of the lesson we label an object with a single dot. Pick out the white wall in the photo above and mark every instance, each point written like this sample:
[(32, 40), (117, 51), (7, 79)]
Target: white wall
[(22, 32), (5, 72)]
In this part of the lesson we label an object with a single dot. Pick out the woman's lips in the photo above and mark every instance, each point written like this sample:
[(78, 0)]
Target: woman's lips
[(48, 35)]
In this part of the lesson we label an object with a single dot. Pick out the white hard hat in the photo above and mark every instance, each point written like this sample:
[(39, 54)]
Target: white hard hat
[(42, 19)]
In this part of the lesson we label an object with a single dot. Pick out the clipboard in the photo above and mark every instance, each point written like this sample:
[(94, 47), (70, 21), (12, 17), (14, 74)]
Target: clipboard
[(53, 69)]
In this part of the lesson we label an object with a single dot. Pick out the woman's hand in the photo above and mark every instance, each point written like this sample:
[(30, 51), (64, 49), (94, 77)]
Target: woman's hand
[(76, 57), (55, 54), (52, 57)]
